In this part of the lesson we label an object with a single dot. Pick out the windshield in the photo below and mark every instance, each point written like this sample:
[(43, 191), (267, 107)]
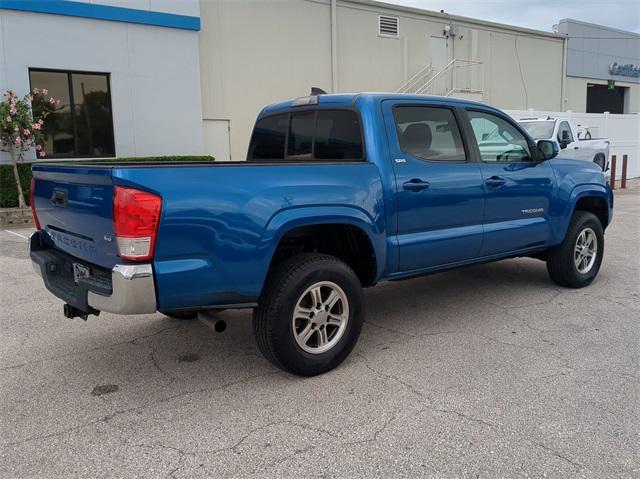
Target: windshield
[(539, 130)]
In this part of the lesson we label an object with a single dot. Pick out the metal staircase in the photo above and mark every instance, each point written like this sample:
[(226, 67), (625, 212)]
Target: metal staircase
[(459, 78)]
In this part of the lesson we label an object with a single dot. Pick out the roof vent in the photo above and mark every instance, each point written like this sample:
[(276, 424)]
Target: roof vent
[(388, 26)]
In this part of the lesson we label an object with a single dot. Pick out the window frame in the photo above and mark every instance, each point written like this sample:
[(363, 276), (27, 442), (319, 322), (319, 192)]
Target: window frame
[(69, 74), (568, 128), (308, 158), (468, 157), (533, 149)]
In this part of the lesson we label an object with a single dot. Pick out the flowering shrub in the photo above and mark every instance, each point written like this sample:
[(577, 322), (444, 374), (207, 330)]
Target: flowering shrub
[(21, 129)]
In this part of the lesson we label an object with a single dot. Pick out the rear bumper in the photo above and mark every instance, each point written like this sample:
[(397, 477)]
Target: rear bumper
[(126, 289)]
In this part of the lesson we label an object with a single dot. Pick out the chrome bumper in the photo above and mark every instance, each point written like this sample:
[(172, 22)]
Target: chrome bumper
[(133, 291), (132, 285)]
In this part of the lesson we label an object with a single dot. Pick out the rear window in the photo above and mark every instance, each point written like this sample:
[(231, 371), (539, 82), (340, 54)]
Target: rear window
[(322, 135)]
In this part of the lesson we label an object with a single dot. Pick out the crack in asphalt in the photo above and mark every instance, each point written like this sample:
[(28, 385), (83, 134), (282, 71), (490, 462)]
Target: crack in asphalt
[(91, 350)]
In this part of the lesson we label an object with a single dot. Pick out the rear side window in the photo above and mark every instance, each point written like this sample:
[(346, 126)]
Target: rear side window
[(322, 135), (429, 133)]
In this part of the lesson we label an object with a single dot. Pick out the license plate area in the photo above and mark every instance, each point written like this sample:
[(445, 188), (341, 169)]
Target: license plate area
[(80, 271)]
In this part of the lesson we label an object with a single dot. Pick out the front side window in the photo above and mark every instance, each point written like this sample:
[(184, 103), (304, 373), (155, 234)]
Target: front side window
[(498, 140), (308, 135), (429, 133), (564, 133), (81, 125)]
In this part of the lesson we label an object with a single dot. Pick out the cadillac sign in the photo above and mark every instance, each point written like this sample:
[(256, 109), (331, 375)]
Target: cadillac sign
[(626, 70)]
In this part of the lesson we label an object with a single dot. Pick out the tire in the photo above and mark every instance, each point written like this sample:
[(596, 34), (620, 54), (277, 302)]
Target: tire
[(599, 160), (563, 261), (185, 315), (311, 343)]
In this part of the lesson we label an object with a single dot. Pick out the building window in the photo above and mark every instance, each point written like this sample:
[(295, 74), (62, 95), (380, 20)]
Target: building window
[(81, 125)]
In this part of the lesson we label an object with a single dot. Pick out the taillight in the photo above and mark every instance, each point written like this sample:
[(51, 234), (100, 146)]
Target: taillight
[(136, 215), (33, 205)]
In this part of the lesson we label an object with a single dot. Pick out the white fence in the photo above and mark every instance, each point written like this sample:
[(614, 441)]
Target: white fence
[(622, 130)]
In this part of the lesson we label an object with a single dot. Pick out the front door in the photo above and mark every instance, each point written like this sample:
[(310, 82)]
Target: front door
[(518, 188), (439, 190)]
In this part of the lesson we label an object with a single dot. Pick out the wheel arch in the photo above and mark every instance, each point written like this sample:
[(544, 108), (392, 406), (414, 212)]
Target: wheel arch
[(322, 221)]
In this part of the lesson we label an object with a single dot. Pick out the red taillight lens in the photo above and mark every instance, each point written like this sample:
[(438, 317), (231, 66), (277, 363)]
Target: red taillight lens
[(32, 204), (136, 215)]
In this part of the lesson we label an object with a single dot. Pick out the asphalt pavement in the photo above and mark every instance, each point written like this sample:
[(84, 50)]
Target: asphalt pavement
[(487, 371)]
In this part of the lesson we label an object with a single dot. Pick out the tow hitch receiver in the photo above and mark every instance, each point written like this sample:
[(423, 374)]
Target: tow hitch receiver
[(73, 312)]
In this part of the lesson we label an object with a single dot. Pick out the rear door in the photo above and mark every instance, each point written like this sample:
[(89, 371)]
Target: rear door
[(518, 188), (439, 191), (74, 205)]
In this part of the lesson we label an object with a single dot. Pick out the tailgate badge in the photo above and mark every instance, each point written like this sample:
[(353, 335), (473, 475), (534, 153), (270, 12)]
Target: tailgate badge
[(108, 238)]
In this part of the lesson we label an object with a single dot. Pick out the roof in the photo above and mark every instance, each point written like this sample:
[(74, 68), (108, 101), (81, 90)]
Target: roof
[(349, 99)]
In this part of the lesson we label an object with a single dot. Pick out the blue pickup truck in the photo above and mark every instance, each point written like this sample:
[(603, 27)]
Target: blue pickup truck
[(338, 192)]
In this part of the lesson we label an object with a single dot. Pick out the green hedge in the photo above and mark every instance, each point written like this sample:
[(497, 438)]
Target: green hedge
[(9, 190)]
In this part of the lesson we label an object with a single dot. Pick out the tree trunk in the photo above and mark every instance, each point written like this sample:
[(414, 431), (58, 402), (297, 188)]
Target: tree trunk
[(21, 202)]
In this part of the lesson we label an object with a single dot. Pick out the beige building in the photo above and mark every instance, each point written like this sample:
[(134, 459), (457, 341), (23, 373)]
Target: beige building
[(257, 52)]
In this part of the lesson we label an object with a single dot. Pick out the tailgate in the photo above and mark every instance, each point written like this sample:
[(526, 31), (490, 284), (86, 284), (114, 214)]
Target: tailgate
[(74, 205)]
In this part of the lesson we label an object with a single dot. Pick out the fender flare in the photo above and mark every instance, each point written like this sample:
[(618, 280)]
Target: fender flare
[(288, 219), (577, 193)]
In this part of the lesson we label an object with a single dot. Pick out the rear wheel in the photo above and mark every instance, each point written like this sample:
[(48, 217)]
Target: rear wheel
[(310, 314), (576, 261)]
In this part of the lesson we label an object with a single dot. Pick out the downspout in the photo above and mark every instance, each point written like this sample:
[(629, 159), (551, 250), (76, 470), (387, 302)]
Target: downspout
[(563, 84), (334, 46)]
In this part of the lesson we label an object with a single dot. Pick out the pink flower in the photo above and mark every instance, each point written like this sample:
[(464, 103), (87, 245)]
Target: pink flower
[(13, 110), (8, 118), (39, 147), (16, 129), (41, 154), (45, 91), (26, 132), (57, 102), (36, 91), (40, 121), (18, 141), (30, 141), (36, 126), (30, 97), (52, 100)]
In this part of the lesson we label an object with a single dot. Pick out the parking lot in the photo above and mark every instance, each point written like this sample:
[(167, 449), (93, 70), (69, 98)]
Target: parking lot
[(487, 371)]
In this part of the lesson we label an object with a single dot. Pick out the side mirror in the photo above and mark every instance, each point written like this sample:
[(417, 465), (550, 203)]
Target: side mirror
[(565, 135), (563, 144), (548, 149)]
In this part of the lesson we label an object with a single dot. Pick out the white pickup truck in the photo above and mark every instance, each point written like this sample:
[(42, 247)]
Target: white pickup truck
[(574, 142)]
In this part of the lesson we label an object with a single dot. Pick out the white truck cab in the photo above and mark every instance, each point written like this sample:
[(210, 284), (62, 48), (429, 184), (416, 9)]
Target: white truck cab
[(574, 142)]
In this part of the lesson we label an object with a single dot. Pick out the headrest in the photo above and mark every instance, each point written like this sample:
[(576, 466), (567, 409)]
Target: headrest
[(417, 137)]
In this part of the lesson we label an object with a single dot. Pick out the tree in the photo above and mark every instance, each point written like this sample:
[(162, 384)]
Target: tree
[(21, 129)]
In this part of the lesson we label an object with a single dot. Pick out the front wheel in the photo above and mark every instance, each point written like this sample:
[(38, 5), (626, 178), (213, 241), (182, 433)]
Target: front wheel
[(576, 261), (309, 315)]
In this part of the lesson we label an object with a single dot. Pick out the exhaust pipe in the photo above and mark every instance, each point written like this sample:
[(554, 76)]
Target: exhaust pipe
[(219, 325)]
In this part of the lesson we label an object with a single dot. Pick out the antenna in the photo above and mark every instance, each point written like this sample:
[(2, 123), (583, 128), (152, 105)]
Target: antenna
[(317, 91)]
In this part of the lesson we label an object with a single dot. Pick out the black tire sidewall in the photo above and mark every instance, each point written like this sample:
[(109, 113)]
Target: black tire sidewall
[(586, 220), (284, 345)]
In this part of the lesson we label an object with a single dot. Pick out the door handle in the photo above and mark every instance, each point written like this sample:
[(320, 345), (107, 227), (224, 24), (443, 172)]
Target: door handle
[(495, 182), (575, 147), (415, 184)]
